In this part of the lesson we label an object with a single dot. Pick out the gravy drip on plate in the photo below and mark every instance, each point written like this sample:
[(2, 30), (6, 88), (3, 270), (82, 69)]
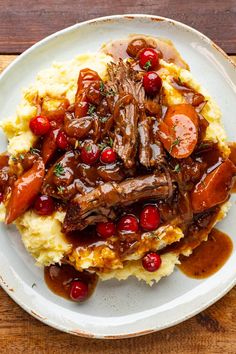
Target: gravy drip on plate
[(60, 277), (208, 257)]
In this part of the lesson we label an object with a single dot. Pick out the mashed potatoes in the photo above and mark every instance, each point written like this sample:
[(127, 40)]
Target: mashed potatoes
[(42, 236)]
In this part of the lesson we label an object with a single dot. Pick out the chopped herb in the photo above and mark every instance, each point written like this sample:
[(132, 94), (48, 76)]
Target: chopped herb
[(102, 146), (34, 151), (33, 285), (177, 168), (103, 119), (60, 189), (179, 80), (203, 145), (110, 142), (88, 148), (102, 86), (59, 170), (110, 92), (14, 158), (175, 143), (91, 109), (21, 156), (78, 144), (147, 65)]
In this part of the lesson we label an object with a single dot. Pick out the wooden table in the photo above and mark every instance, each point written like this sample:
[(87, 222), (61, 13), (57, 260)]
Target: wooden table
[(24, 22)]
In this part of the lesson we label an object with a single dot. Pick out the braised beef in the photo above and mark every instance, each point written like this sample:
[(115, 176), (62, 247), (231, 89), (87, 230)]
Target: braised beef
[(153, 186)]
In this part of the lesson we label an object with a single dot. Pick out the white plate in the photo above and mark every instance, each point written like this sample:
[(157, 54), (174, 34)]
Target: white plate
[(128, 308)]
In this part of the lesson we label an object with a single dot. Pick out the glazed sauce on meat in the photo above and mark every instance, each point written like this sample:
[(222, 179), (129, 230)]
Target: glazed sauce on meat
[(118, 49), (208, 257), (58, 279)]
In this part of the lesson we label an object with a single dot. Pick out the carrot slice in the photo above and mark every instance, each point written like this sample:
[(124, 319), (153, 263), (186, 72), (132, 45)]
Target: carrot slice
[(86, 77), (24, 191), (178, 131), (214, 188), (49, 146)]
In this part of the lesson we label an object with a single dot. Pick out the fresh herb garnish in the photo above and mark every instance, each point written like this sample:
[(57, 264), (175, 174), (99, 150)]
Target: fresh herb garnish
[(102, 146), (88, 148), (21, 156), (177, 168), (203, 145), (147, 65), (33, 285), (102, 86), (110, 92), (59, 170), (60, 189), (103, 119), (91, 109), (175, 143), (34, 151), (110, 142), (14, 158)]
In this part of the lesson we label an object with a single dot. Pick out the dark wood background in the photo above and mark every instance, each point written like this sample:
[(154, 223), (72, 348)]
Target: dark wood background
[(25, 22), (22, 23)]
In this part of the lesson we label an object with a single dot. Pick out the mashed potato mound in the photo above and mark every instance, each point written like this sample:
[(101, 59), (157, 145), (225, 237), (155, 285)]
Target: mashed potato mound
[(42, 236)]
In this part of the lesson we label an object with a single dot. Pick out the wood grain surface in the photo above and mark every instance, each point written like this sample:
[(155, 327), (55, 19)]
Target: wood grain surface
[(213, 331), (24, 22)]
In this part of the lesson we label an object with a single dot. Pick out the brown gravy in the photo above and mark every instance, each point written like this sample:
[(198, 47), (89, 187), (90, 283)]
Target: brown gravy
[(117, 49), (209, 257), (232, 157), (59, 278)]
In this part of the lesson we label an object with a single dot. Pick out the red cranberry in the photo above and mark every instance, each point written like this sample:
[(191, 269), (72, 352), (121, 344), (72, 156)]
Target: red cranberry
[(62, 140), (78, 290), (152, 83), (150, 218), (128, 223), (108, 155), (106, 229), (44, 205), (40, 125), (148, 59), (151, 262), (1, 197), (90, 153)]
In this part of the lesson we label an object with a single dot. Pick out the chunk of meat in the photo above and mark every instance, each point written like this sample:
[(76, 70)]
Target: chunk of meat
[(214, 188), (126, 132), (24, 191), (151, 152), (113, 194), (128, 89), (77, 128)]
